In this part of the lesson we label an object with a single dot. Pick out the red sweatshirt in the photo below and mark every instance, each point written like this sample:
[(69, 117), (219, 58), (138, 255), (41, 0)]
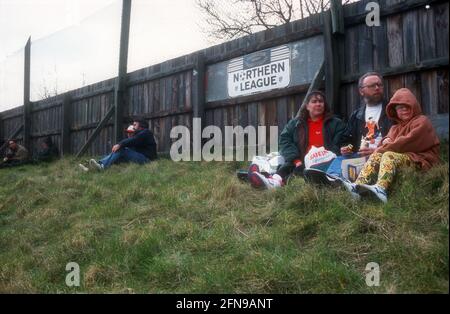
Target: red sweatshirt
[(315, 132)]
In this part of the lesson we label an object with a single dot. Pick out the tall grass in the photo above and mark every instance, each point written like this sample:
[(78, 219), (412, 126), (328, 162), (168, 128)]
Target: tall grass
[(193, 227)]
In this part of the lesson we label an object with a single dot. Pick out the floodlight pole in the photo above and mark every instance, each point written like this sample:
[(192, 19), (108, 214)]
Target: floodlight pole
[(121, 82), (26, 97)]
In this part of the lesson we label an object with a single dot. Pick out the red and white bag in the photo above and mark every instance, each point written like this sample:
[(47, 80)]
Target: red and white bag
[(318, 156), (269, 163)]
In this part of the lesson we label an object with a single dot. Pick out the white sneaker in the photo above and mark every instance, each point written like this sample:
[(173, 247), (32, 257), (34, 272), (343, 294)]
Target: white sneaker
[(83, 167), (376, 190), (259, 180), (94, 164), (351, 188)]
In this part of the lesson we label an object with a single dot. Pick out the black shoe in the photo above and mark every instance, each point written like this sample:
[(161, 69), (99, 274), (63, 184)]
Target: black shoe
[(320, 177), (242, 175)]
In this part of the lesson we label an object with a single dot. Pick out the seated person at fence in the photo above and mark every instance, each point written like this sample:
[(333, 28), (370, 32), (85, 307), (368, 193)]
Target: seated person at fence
[(367, 124), (15, 155), (315, 126), (49, 151), (411, 142), (140, 148)]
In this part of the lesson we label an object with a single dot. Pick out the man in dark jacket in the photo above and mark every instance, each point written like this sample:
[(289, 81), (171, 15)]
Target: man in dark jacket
[(372, 111), (367, 125), (140, 148)]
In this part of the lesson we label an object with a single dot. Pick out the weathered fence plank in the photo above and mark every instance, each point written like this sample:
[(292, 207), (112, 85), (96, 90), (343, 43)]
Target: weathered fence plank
[(66, 124), (395, 40), (410, 48)]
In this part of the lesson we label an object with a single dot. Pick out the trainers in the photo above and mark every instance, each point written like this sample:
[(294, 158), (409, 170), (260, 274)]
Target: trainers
[(94, 164), (253, 168), (257, 180), (375, 190), (351, 188), (83, 167), (334, 180), (242, 175)]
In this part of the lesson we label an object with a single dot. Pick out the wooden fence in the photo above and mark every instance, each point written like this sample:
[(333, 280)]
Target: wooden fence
[(410, 49)]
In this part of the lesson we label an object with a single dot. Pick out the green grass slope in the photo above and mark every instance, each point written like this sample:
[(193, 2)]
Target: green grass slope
[(193, 227)]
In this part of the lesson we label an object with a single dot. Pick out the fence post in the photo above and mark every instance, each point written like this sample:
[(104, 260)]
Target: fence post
[(198, 101), (337, 17), (333, 30), (26, 98), (66, 124), (120, 88), (198, 86)]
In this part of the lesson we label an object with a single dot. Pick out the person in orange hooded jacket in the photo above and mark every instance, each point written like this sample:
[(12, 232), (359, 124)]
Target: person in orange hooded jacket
[(411, 142)]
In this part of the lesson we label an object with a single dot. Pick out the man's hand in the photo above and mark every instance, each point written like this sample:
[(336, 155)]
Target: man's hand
[(347, 150), (5, 159), (366, 151), (298, 170), (115, 148)]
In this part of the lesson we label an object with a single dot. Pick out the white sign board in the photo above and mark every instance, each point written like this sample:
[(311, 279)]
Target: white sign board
[(259, 72)]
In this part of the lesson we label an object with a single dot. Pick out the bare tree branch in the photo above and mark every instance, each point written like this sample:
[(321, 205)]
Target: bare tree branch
[(243, 17)]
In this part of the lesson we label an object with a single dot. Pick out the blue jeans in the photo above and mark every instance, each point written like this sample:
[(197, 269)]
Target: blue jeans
[(123, 155), (335, 167)]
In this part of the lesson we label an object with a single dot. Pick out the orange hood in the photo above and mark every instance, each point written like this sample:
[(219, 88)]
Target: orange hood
[(405, 97)]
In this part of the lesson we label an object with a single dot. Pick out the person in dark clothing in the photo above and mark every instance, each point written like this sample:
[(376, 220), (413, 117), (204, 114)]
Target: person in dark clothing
[(49, 151), (315, 126), (367, 125), (140, 148), (372, 111), (15, 156)]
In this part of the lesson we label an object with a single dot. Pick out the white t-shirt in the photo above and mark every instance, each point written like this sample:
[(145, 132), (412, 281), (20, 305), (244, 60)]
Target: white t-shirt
[(374, 113)]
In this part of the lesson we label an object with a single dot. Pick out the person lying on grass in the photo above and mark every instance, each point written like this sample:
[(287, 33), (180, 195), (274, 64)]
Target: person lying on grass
[(411, 142), (139, 148), (315, 126)]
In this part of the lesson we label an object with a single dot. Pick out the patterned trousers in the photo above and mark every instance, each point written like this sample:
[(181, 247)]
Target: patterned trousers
[(381, 168)]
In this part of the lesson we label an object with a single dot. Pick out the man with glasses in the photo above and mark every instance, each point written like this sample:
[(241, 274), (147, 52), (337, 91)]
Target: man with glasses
[(360, 133)]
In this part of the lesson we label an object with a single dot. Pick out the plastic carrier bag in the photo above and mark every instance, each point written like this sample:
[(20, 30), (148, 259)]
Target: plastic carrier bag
[(269, 163), (318, 156)]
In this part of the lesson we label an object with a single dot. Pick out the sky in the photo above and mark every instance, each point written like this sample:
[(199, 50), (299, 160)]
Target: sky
[(76, 42)]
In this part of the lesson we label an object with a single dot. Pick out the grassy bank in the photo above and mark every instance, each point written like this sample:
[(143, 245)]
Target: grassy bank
[(194, 227)]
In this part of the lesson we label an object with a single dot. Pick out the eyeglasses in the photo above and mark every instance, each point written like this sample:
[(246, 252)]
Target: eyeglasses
[(374, 85)]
